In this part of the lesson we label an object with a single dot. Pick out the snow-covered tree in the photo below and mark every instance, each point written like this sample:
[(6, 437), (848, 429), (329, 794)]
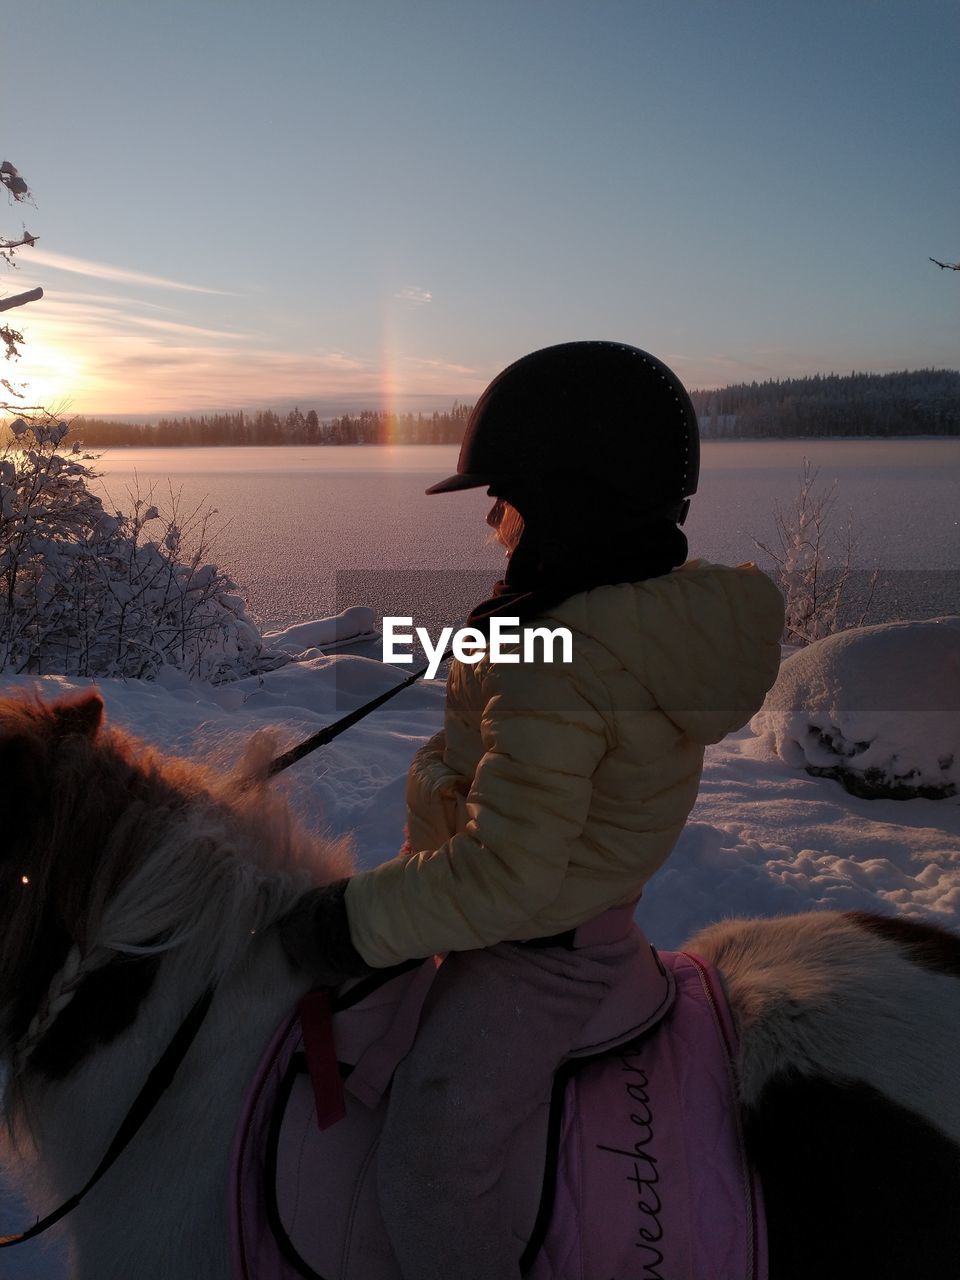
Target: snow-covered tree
[(89, 592), (815, 574)]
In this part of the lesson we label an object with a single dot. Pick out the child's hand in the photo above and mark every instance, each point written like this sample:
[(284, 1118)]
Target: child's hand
[(315, 936)]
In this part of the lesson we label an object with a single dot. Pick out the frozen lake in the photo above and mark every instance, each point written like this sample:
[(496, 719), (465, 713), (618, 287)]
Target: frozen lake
[(307, 531)]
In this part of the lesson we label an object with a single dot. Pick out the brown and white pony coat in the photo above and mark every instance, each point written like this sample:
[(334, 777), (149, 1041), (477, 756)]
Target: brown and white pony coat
[(131, 881)]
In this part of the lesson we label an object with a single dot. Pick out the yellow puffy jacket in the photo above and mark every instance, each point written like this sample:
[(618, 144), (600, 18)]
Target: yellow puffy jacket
[(554, 790)]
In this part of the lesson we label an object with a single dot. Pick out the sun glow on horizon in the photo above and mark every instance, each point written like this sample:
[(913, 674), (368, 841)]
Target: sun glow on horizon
[(51, 375)]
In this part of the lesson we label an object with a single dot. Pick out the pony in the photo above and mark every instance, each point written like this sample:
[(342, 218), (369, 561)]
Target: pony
[(131, 882)]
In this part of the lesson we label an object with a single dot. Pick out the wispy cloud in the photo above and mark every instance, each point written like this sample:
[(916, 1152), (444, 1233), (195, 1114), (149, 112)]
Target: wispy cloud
[(705, 369), (120, 275), (425, 364), (105, 361), (414, 296), (186, 330), (83, 315), (52, 295), (105, 353)]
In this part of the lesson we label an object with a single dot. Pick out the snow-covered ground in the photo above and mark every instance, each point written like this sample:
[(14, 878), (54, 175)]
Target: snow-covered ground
[(765, 837)]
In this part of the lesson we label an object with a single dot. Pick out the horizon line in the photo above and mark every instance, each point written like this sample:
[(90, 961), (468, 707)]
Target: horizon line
[(361, 402)]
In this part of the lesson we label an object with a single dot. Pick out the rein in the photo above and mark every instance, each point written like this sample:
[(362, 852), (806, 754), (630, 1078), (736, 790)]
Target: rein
[(323, 736), (155, 1085)]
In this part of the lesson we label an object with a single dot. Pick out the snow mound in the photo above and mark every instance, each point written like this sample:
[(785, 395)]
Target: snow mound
[(356, 623), (877, 708)]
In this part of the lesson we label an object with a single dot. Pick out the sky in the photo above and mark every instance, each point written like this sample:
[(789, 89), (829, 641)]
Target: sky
[(384, 202)]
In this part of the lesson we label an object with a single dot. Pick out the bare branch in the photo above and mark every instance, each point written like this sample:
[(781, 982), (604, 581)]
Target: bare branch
[(21, 299), (815, 583), (7, 246), (946, 266), (10, 338)]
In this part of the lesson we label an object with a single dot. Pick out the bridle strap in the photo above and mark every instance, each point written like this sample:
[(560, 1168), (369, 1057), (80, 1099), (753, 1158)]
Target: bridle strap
[(155, 1085)]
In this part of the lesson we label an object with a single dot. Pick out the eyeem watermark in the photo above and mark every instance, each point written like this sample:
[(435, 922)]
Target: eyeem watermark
[(468, 644)]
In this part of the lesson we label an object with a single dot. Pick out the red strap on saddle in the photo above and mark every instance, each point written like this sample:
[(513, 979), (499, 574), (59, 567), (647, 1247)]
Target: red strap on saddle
[(316, 1024)]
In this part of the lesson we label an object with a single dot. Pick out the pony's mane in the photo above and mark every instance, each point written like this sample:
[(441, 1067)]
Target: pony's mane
[(114, 855)]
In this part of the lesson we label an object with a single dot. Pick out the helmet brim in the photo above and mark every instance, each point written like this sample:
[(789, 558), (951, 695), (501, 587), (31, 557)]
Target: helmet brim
[(459, 481)]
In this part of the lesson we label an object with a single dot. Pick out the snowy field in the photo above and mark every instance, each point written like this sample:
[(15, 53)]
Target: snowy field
[(764, 838)]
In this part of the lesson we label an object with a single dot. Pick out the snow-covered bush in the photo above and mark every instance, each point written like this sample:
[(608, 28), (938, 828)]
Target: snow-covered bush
[(877, 708), (88, 592), (813, 570)]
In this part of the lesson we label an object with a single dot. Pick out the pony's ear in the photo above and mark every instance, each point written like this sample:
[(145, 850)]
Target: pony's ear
[(82, 715)]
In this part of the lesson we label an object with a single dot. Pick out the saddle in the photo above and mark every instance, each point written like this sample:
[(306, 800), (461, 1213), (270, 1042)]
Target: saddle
[(633, 1167)]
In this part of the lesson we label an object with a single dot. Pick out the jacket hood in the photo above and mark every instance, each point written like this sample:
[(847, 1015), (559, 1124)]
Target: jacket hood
[(704, 639)]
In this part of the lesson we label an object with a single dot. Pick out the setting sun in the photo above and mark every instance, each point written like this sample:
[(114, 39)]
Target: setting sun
[(51, 374)]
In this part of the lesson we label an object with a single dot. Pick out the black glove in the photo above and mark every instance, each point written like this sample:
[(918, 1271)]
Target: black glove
[(316, 937)]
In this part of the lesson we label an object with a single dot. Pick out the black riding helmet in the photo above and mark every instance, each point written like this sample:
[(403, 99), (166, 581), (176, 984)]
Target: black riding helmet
[(610, 415)]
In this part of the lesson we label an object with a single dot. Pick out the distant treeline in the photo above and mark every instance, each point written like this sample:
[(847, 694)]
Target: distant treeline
[(268, 428), (923, 402)]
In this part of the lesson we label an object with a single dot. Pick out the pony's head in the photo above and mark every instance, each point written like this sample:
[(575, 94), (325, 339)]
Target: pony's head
[(113, 855), (63, 781)]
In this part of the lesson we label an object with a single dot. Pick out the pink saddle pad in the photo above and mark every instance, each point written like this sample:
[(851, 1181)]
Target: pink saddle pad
[(635, 1167)]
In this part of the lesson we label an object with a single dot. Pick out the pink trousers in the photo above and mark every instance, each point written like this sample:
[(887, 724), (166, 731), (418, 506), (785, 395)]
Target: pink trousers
[(496, 1026)]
